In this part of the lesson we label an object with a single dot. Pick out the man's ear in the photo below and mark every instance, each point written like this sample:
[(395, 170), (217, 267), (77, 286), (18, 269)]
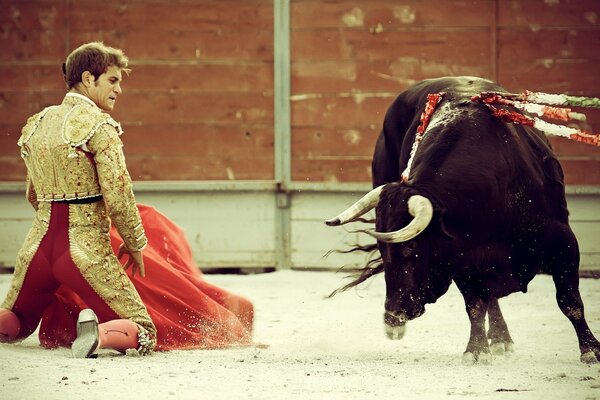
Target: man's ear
[(88, 79)]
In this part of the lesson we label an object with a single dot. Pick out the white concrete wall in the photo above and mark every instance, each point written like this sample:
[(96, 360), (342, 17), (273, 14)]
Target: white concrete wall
[(238, 228)]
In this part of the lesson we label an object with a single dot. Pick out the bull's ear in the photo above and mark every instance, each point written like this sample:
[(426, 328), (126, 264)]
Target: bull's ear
[(442, 226)]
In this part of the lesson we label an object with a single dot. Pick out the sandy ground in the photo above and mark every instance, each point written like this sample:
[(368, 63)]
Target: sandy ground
[(330, 349)]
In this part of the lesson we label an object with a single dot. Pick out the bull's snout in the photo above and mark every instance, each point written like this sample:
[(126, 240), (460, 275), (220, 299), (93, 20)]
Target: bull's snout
[(395, 325)]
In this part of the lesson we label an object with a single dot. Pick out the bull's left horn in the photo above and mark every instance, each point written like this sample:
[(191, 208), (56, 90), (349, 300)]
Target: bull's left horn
[(419, 207), (362, 206)]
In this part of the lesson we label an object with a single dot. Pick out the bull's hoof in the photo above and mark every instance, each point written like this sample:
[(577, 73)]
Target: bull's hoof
[(509, 347), (497, 349), (589, 358), (502, 348), (469, 358), (395, 332), (485, 358)]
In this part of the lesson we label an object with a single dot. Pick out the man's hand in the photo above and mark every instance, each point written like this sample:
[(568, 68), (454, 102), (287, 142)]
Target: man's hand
[(135, 260)]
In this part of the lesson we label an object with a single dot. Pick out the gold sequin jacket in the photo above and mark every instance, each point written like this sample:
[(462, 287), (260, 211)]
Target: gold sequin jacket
[(73, 151)]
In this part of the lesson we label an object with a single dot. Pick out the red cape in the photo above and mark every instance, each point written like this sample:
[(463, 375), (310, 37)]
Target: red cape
[(188, 311)]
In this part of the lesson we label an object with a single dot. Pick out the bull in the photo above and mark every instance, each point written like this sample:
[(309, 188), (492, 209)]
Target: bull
[(482, 204)]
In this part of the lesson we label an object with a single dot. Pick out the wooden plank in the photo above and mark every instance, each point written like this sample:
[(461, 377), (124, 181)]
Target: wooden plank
[(393, 75), (31, 78), (233, 78), (312, 143), (354, 111), (197, 45), (160, 108), (568, 148), (12, 168), (199, 140), (16, 107), (552, 61), (533, 14), (172, 15), (332, 170), (33, 30), (191, 167), (467, 48), (9, 134), (581, 172), (389, 14)]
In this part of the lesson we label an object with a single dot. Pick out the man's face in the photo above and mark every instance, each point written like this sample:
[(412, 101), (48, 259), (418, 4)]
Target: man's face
[(106, 88)]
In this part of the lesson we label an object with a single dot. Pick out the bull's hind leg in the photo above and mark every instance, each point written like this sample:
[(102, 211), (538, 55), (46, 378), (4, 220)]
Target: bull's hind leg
[(498, 334), (565, 273)]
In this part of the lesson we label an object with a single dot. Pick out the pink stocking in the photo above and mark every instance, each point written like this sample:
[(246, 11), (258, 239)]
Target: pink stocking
[(118, 334), (10, 326)]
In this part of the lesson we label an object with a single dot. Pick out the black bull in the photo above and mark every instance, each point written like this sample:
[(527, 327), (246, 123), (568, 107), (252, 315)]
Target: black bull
[(483, 206)]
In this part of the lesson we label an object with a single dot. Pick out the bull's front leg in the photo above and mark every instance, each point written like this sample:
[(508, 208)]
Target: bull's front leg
[(498, 334), (478, 350)]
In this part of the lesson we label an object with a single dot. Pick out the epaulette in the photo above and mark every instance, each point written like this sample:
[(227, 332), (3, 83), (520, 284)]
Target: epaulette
[(31, 126), (81, 123)]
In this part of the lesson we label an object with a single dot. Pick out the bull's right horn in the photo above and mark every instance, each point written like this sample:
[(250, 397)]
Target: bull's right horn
[(362, 206), (421, 209)]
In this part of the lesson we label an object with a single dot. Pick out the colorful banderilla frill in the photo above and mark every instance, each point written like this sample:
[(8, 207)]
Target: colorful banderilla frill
[(537, 103), (433, 100)]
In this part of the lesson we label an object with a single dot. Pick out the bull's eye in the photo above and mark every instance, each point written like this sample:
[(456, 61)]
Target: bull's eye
[(409, 248)]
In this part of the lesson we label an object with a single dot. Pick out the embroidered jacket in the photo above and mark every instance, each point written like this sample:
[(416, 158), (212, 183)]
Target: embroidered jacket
[(73, 151)]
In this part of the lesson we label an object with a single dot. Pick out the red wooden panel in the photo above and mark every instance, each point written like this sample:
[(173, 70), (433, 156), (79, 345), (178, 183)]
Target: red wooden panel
[(217, 78), (12, 169), (377, 76), (33, 30), (314, 143), (342, 170), (516, 46), (9, 134), (581, 172), (390, 14), (552, 61), (188, 167), (15, 108), (575, 78), (341, 112), (31, 78), (172, 15), (453, 47), (564, 147), (199, 140), (532, 14), (196, 45), (160, 108)]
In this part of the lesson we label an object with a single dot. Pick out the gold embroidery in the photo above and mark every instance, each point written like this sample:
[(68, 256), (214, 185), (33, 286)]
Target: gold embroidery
[(116, 187), (27, 252), (91, 251)]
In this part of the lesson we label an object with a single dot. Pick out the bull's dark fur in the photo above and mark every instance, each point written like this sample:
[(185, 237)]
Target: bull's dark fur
[(500, 214)]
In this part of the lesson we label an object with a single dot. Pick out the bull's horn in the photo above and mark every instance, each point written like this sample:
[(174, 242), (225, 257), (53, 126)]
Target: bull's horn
[(419, 207), (362, 206)]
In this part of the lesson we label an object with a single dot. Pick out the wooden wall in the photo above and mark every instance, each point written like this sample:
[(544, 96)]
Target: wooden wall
[(199, 103), (351, 58)]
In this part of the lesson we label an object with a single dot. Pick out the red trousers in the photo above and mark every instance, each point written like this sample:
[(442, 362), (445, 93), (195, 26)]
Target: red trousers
[(52, 266)]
